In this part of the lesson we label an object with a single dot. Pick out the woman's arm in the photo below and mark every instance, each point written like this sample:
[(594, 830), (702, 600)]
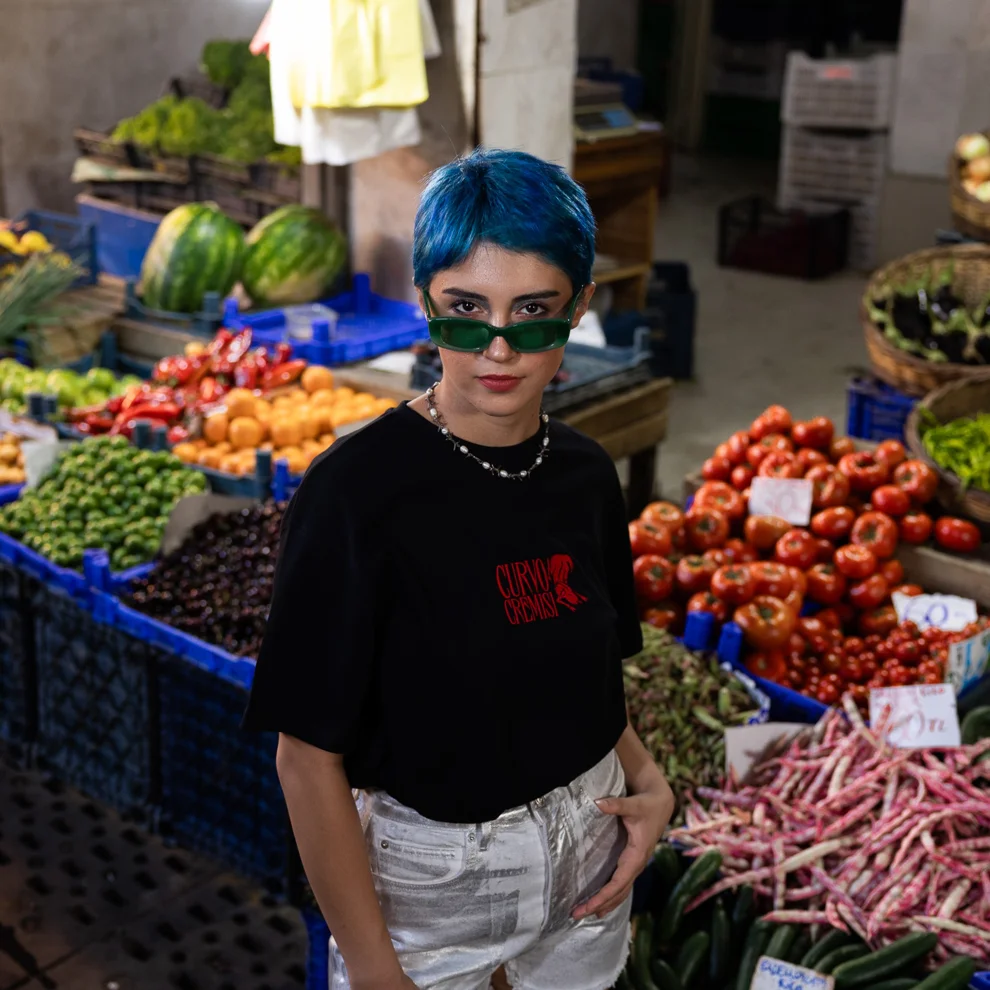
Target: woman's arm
[(331, 844), (645, 814)]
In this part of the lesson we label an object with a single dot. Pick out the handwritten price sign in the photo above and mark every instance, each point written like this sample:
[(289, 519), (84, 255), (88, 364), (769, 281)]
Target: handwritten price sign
[(947, 612), (921, 716), (772, 974), (968, 661), (787, 498)]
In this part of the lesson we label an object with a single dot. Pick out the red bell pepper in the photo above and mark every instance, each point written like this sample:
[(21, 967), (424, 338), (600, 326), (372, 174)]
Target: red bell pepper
[(283, 374), (210, 390), (177, 434), (114, 404), (247, 373), (97, 423), (219, 343), (227, 360), (282, 354)]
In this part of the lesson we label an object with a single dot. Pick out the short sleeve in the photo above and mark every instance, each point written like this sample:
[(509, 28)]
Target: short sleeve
[(316, 665), (618, 564)]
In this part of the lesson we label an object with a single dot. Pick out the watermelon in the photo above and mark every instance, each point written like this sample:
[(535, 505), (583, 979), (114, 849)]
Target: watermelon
[(196, 249), (294, 255)]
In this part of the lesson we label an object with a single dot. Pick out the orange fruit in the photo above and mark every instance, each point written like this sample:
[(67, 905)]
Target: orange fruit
[(262, 409), (383, 405), (230, 464), (225, 447), (209, 458), (343, 393), (186, 452), (245, 432), (324, 420), (309, 427), (215, 427), (316, 377), (295, 458), (311, 447), (322, 398), (286, 431), (240, 402), (325, 439)]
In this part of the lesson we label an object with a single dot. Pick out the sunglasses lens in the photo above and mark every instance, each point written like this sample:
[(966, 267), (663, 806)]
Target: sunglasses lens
[(460, 335), (540, 335)]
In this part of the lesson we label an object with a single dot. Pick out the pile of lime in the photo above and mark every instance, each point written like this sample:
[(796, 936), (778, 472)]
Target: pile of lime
[(102, 494), (71, 388)]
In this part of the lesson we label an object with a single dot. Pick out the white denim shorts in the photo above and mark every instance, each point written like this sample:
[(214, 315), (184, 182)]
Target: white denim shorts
[(462, 900)]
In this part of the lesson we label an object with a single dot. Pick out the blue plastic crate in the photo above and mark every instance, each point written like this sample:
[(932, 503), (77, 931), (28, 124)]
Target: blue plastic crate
[(18, 671), (368, 325), (123, 234), (318, 956), (876, 411), (981, 981), (71, 235)]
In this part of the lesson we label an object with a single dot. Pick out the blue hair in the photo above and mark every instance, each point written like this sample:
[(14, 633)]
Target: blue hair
[(507, 198)]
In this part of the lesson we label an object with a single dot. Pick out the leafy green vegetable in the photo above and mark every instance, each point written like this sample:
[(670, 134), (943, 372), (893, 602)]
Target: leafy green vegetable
[(224, 62), (961, 446), (192, 128), (145, 128)]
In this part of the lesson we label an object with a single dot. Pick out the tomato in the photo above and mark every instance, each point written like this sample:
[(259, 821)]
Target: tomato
[(706, 528), (738, 444), (721, 496), (705, 601), (826, 584), (841, 446), (734, 583), (829, 617), (877, 531), (772, 579), (716, 469), (918, 480), (891, 452), (741, 477), (663, 514), (774, 419), (909, 653), (856, 562), (654, 577), (915, 527), (795, 600), (816, 433), (773, 443), (892, 500), (833, 524), (827, 694), (958, 535), (808, 458), (694, 574), (644, 539), (864, 471), (678, 536), (797, 645), (893, 571), (796, 548), (869, 593), (763, 532), (910, 590), (739, 552), (771, 665), (717, 557), (830, 487), (799, 579), (780, 465), (826, 551), (878, 621), (666, 615), (811, 627)]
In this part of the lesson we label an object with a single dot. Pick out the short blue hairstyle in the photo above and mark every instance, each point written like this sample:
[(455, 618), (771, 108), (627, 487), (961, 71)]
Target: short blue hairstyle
[(507, 198)]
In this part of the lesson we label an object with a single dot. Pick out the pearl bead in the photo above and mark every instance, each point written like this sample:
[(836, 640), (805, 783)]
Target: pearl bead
[(444, 430), (546, 441), (463, 449), (486, 465), (433, 413), (539, 460), (522, 474), (503, 474)]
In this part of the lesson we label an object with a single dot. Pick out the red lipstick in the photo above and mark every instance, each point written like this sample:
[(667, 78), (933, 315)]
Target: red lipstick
[(499, 383)]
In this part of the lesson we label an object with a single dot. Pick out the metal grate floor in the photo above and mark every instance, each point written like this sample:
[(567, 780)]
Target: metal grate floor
[(89, 901)]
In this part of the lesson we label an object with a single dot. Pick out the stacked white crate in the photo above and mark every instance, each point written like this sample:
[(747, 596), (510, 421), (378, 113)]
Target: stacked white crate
[(836, 114)]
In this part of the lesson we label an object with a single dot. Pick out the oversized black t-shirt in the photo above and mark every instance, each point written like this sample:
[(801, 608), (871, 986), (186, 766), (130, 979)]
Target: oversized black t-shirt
[(458, 637)]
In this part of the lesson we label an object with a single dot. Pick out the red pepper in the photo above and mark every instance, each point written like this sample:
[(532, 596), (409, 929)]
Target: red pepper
[(282, 354), (219, 343), (165, 369), (98, 423), (134, 395), (210, 390), (283, 374), (227, 360), (247, 373), (81, 413), (114, 404), (177, 434)]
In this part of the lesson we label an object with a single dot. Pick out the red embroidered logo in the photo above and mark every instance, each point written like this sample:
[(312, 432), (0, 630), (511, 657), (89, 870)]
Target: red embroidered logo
[(537, 589)]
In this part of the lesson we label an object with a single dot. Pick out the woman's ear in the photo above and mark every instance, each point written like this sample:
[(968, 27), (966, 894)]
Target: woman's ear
[(583, 303), (421, 300)]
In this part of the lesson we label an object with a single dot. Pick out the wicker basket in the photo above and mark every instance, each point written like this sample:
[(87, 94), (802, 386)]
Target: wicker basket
[(971, 280), (969, 215), (957, 400)]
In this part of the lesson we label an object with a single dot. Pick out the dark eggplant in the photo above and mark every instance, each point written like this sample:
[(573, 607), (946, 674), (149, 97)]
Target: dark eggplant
[(910, 316)]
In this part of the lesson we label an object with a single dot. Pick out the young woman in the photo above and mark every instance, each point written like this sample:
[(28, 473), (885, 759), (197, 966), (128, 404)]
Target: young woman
[(452, 604)]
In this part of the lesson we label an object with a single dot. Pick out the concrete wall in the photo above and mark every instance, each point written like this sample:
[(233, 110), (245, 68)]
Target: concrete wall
[(608, 28), (71, 63)]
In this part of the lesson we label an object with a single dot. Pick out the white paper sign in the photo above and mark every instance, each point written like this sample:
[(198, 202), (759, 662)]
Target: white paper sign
[(947, 612), (922, 716), (772, 974), (745, 744), (968, 661), (788, 498)]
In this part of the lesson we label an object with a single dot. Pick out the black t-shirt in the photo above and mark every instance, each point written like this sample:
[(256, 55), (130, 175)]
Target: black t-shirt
[(458, 637)]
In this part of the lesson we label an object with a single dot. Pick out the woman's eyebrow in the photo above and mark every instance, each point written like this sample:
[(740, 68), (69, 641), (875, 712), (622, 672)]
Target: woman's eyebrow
[(466, 294), (532, 296)]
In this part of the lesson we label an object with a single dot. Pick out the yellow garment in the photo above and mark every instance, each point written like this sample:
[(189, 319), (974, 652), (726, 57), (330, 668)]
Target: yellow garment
[(355, 53)]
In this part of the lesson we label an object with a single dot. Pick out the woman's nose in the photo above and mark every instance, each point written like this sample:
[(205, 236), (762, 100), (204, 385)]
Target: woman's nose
[(499, 350)]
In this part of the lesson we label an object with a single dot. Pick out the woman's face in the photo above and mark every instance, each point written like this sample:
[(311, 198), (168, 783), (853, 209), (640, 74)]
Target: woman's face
[(502, 287)]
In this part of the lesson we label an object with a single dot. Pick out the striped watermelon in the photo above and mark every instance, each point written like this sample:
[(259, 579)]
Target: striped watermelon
[(293, 256), (196, 249)]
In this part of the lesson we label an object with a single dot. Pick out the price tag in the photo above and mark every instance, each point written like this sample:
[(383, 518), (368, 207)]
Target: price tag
[(788, 498), (968, 661), (947, 612), (922, 716), (772, 974)]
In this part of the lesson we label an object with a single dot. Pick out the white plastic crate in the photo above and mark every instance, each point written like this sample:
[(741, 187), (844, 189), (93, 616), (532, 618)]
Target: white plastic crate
[(851, 94), (822, 165), (864, 230)]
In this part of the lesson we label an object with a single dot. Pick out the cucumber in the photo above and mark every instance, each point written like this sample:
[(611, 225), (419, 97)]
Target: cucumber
[(801, 945), (642, 952), (837, 957), (834, 938), (692, 958), (667, 865), (974, 697), (721, 946), (743, 911), (665, 977), (884, 963), (756, 942), (976, 725), (900, 983), (781, 941), (954, 975), (698, 878)]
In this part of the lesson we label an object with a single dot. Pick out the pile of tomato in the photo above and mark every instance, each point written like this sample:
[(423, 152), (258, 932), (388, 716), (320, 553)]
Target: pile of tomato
[(764, 574)]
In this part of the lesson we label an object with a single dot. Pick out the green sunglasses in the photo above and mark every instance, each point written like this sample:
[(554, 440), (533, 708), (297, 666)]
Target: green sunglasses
[(461, 333)]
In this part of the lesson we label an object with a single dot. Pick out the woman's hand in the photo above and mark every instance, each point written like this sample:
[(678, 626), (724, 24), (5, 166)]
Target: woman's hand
[(401, 982), (645, 816)]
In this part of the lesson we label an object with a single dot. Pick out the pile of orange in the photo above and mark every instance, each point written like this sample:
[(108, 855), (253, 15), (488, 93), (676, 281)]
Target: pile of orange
[(295, 425)]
